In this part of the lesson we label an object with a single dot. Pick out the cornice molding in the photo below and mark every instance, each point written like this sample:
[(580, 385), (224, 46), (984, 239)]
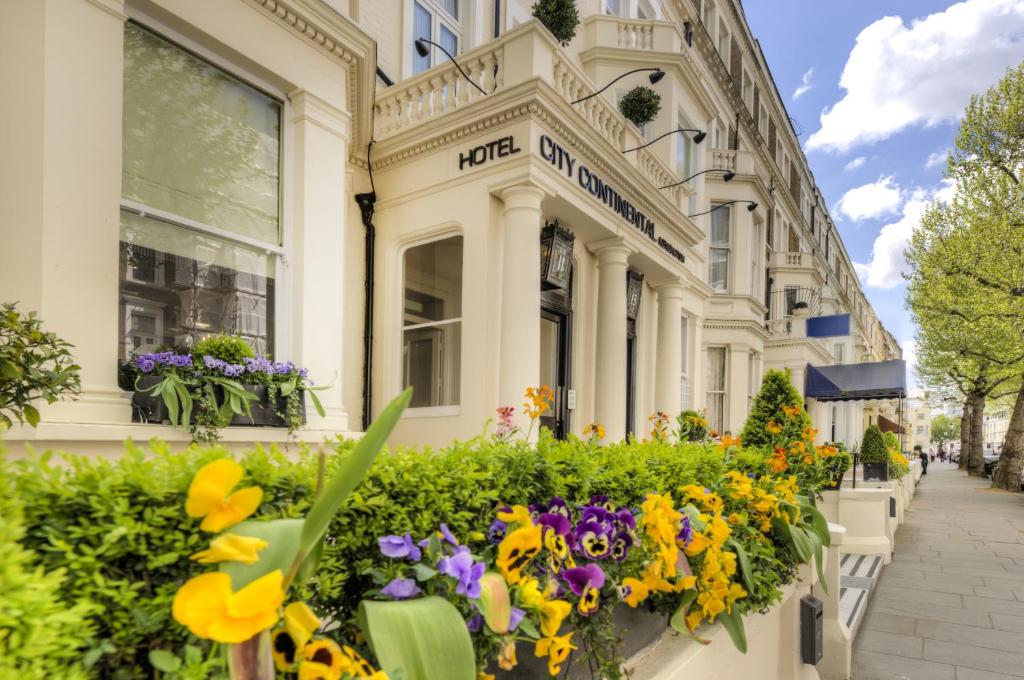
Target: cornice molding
[(114, 8)]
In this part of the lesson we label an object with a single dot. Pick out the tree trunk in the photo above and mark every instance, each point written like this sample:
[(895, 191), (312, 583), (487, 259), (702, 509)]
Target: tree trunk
[(976, 464), (1007, 472), (965, 434)]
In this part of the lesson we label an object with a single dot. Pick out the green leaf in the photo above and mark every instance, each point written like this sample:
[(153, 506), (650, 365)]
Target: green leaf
[(350, 473), (31, 414), (802, 542), (423, 639), (816, 521), (818, 559), (744, 559), (287, 387), (316, 403), (423, 572), (169, 392), (678, 620), (733, 624), (282, 537), (165, 661)]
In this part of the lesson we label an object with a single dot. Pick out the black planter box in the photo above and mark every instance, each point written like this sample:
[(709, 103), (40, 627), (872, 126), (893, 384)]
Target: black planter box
[(146, 406), (834, 483), (876, 472), (264, 411), (637, 628)]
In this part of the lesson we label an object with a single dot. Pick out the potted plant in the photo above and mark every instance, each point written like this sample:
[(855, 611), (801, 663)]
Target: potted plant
[(560, 17), (874, 456), (836, 465), (163, 384), (640, 105)]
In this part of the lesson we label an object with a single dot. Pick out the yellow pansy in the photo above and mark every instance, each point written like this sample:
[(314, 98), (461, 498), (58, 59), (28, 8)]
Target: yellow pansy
[(507, 655), (529, 593), (210, 497), (517, 515), (634, 590), (693, 619), (686, 583), (557, 649), (300, 622), (719, 530), (516, 551), (323, 660), (283, 649), (231, 548), (207, 606), (552, 613), (697, 544), (354, 664)]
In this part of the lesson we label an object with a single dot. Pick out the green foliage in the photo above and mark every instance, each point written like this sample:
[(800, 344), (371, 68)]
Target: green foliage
[(872, 448), (229, 348), (837, 465), (640, 105), (42, 635), (945, 429), (34, 365), (898, 464), (892, 440), (692, 427), (560, 17), (776, 393)]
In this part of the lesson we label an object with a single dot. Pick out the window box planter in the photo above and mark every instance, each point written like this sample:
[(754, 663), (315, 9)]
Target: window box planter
[(638, 627), (146, 406), (265, 411), (876, 472)]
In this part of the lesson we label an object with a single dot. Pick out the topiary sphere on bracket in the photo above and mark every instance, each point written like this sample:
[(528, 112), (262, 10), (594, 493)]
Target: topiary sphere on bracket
[(560, 17), (640, 105)]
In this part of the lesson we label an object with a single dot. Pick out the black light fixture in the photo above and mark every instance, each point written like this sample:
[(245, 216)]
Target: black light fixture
[(751, 207), (423, 50), (697, 138), (688, 33), (634, 288), (555, 256), (656, 75), (729, 174)]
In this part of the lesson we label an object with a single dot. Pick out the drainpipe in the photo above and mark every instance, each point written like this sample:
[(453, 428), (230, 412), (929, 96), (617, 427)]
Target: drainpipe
[(366, 204), (497, 18)]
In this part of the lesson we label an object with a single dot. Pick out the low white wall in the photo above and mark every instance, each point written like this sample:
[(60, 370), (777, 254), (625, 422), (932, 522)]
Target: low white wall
[(865, 514)]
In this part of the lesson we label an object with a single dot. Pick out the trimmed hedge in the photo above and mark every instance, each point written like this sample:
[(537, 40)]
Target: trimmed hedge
[(872, 448), (776, 393)]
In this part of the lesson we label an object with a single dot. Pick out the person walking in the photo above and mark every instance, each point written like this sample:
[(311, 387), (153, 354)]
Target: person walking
[(924, 461)]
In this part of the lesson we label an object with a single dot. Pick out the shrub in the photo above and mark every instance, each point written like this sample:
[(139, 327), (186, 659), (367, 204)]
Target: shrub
[(227, 348), (640, 105), (872, 448), (776, 394), (892, 440), (898, 464), (560, 17), (34, 365)]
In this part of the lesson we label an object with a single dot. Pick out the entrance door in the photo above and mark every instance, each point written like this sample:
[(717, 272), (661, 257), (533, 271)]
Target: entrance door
[(554, 369), (630, 376)]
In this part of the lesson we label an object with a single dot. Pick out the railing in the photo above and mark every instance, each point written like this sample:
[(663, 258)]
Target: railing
[(722, 159), (785, 303), (792, 260), (637, 35)]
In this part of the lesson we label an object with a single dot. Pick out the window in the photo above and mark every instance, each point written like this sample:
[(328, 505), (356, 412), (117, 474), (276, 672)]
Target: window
[(755, 262), (791, 299), (613, 7), (432, 322), (723, 40), (718, 252), (684, 148), (684, 372), (200, 207), (706, 17), (438, 21), (716, 388), (753, 378), (839, 353)]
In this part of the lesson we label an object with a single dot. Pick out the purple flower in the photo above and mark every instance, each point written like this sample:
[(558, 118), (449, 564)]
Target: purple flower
[(475, 623), (145, 364), (593, 540), (558, 506), (581, 578), (603, 501), (211, 362), (515, 617), (620, 546), (597, 513), (401, 589), (496, 532), (625, 518), (557, 523), (399, 546), (460, 566), (448, 535), (685, 531)]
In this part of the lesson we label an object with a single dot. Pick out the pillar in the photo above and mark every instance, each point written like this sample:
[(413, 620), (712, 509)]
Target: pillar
[(610, 370), (836, 638), (520, 296), (320, 134), (670, 345)]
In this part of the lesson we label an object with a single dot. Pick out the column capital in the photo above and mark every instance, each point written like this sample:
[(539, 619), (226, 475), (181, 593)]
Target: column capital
[(610, 251), (522, 196), (671, 288), (307, 107)]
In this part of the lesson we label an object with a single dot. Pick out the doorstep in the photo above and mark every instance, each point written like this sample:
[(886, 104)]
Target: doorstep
[(858, 575)]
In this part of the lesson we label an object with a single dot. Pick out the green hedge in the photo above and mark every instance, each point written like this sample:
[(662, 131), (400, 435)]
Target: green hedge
[(119, 528)]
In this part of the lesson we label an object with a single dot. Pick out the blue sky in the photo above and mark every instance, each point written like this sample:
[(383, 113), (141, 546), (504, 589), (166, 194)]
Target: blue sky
[(879, 110)]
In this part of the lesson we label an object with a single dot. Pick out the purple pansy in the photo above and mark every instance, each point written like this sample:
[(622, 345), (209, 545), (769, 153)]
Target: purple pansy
[(581, 578), (496, 532), (593, 540), (685, 531), (461, 566), (515, 617), (475, 623), (399, 546), (620, 546), (448, 535), (401, 589), (557, 523), (145, 364)]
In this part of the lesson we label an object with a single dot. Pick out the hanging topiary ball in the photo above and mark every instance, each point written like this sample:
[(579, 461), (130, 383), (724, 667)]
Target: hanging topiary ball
[(560, 17), (640, 105)]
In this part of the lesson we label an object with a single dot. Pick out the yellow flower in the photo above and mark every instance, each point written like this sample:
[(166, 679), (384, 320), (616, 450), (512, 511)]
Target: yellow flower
[(791, 411), (589, 601), (809, 433), (283, 649), (538, 400), (516, 551), (557, 649), (231, 548), (313, 670), (735, 519), (210, 497), (635, 591), (354, 664), (693, 619), (517, 515), (552, 613), (773, 427), (529, 593), (698, 544), (322, 660), (507, 655), (594, 430), (808, 459), (484, 676), (719, 530), (300, 622), (728, 441), (207, 606)]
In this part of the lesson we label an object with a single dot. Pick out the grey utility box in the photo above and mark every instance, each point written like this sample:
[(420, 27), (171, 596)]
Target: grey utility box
[(812, 618)]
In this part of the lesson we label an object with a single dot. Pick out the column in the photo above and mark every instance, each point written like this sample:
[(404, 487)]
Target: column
[(320, 133), (520, 296), (670, 345), (610, 371)]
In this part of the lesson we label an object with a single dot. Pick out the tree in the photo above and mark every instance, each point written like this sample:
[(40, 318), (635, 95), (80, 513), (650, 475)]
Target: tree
[(945, 429), (776, 394)]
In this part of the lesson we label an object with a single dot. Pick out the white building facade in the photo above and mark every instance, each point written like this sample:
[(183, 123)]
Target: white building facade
[(186, 168)]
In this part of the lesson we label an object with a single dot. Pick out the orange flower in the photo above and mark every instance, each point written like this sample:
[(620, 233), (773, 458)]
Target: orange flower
[(773, 427), (778, 462), (538, 400), (791, 411), (729, 440), (809, 433)]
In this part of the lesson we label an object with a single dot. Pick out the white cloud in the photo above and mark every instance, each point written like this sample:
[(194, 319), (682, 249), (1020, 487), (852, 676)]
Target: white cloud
[(887, 264), (870, 201), (937, 158), (898, 75), (854, 164), (909, 347), (805, 84)]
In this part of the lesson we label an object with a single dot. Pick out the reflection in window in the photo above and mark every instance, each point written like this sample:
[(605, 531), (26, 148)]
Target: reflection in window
[(432, 322), (201, 160), (718, 251), (716, 388)]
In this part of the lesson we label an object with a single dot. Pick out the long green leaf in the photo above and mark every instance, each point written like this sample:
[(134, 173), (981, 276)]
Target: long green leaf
[(733, 624), (350, 473), (317, 403), (169, 393), (678, 619), (818, 523), (423, 639), (818, 559), (282, 537), (802, 543), (744, 559)]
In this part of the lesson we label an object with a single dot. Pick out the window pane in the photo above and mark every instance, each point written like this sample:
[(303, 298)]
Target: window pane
[(612, 7), (684, 150), (198, 142), (421, 20), (720, 225), (716, 369), (433, 282), (718, 268), (452, 7), (449, 41), (178, 286), (431, 367)]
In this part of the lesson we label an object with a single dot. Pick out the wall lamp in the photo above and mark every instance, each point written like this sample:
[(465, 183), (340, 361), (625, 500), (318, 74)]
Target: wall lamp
[(751, 206), (423, 50), (729, 174), (697, 138), (656, 75)]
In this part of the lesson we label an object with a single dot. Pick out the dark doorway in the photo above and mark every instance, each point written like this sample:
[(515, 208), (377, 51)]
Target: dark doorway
[(556, 357)]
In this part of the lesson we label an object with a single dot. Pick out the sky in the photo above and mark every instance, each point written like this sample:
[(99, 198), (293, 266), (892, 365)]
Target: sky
[(876, 89)]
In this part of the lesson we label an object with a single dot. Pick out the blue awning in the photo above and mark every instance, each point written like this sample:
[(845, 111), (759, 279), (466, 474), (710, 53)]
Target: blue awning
[(856, 382)]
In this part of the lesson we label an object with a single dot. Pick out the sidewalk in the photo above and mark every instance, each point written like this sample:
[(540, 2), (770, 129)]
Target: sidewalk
[(951, 604)]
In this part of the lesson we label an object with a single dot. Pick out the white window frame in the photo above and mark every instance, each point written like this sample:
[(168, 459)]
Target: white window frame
[(708, 392), (684, 363), (756, 234), (399, 306), (684, 146), (282, 251), (713, 246), (439, 17)]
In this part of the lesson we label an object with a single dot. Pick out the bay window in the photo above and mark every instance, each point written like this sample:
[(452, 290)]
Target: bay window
[(718, 251), (432, 322), (715, 379), (437, 21), (200, 201)]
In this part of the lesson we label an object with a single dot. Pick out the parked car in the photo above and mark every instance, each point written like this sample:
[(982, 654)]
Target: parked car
[(991, 458)]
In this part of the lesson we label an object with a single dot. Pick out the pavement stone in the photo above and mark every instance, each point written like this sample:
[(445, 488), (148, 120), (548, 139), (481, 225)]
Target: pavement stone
[(951, 604)]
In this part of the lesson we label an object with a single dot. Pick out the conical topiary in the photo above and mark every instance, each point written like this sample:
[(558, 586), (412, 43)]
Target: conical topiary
[(560, 17), (872, 448), (777, 393)]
